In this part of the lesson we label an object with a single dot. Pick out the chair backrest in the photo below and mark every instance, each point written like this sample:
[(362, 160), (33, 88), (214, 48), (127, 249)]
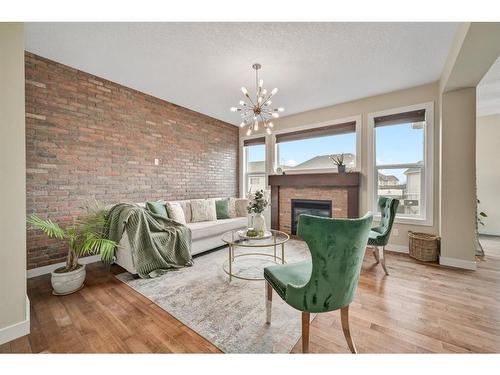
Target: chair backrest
[(337, 249), (388, 208)]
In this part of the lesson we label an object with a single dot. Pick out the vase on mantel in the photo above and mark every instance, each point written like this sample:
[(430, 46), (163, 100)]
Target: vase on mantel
[(259, 222)]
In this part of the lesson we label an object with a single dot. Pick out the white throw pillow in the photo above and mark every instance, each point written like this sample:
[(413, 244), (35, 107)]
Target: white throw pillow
[(203, 210), (175, 212), (241, 205)]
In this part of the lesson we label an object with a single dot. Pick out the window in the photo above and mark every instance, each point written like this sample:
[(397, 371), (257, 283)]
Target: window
[(402, 165), (311, 148), (255, 165)]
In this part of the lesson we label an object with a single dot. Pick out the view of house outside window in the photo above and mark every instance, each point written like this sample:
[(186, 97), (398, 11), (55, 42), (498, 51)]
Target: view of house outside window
[(255, 169), (314, 153), (400, 165)]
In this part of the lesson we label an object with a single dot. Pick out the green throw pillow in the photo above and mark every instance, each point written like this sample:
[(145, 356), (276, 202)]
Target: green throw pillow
[(157, 208), (222, 209)]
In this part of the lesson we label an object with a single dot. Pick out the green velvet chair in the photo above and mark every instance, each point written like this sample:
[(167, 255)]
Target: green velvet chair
[(379, 235), (328, 281)]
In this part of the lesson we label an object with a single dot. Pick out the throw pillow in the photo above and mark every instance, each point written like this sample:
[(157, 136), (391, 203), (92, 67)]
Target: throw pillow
[(175, 212), (157, 208), (222, 208), (203, 210), (241, 207), (232, 208)]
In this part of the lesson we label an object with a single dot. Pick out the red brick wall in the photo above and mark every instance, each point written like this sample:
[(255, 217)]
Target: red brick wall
[(91, 138)]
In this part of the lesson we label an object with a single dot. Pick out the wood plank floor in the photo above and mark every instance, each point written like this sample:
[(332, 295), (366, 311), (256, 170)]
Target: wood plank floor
[(419, 308)]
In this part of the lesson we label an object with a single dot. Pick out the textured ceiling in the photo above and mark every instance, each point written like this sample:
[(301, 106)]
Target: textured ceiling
[(488, 92), (201, 66)]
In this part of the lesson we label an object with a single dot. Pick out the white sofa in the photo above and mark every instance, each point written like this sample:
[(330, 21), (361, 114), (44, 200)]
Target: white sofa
[(206, 235)]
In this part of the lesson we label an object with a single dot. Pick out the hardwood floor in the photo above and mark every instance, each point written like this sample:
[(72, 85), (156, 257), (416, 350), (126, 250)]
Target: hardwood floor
[(419, 308)]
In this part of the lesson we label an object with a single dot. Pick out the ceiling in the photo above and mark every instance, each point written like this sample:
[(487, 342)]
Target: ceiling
[(488, 92), (202, 66)]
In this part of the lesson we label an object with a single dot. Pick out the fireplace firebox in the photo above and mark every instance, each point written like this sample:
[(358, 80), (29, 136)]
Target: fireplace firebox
[(311, 207)]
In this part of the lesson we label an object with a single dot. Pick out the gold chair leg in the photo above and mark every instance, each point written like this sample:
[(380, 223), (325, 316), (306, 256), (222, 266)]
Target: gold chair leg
[(269, 302), (375, 254), (344, 317), (382, 260), (305, 331)]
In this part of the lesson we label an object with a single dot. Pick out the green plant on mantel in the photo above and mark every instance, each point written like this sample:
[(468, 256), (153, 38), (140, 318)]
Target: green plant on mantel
[(338, 160), (86, 236)]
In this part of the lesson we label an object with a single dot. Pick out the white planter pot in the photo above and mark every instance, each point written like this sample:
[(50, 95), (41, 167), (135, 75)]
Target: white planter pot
[(68, 282)]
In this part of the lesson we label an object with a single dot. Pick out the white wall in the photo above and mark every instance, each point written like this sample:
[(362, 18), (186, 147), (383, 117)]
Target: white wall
[(14, 314), (488, 171)]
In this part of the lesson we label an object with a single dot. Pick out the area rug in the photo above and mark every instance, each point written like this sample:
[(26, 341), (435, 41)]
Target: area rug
[(231, 315)]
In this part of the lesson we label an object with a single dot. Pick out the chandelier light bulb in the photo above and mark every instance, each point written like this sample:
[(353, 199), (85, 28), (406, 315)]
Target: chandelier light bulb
[(257, 108)]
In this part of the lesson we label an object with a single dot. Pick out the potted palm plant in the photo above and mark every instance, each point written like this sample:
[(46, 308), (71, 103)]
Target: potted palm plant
[(338, 160), (85, 236)]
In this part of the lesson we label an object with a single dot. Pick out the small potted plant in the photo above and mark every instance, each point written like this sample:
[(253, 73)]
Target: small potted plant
[(85, 236), (338, 160), (257, 203)]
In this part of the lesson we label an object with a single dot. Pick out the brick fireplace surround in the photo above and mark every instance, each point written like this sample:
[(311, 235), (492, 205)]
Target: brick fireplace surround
[(341, 189)]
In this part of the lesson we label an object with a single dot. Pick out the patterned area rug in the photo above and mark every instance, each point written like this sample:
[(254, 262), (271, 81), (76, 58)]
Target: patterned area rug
[(231, 315)]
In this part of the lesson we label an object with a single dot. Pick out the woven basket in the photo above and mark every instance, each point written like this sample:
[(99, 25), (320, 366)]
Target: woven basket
[(423, 246)]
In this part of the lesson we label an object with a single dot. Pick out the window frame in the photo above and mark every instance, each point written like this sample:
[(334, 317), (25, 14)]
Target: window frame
[(274, 146), (426, 217), (244, 176)]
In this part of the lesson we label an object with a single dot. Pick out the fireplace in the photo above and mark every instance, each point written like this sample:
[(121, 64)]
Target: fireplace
[(321, 208)]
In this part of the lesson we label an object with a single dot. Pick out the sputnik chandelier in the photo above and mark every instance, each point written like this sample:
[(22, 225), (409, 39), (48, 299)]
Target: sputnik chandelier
[(258, 111)]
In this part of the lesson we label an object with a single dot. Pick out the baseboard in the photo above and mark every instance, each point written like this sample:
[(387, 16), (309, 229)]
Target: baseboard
[(34, 272), (16, 330), (458, 263), (397, 248)]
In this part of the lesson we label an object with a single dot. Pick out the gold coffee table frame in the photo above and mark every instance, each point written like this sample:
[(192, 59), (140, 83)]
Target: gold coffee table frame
[(233, 241)]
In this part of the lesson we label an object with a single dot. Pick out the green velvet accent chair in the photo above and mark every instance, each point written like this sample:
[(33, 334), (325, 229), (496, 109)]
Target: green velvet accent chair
[(329, 280), (379, 235)]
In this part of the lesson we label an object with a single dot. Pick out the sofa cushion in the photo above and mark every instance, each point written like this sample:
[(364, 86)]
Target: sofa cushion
[(222, 209), (238, 207), (157, 208), (204, 229), (175, 212), (203, 210)]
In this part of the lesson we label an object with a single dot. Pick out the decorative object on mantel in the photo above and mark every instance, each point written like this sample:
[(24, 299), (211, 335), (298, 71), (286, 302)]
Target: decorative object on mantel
[(257, 203), (260, 110), (338, 160), (86, 236)]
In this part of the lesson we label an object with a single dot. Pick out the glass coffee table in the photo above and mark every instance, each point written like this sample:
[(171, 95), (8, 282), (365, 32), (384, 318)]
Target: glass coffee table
[(255, 248)]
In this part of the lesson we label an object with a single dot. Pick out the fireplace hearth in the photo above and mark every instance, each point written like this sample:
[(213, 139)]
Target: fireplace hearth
[(314, 207)]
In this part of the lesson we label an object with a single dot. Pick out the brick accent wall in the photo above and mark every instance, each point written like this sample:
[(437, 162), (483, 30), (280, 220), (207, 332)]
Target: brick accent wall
[(87, 138), (337, 196)]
